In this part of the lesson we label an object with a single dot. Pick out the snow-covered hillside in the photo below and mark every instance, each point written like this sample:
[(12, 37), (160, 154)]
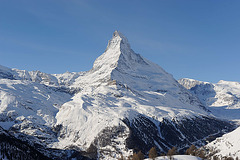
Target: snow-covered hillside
[(125, 103), (222, 98), (28, 110), (228, 145)]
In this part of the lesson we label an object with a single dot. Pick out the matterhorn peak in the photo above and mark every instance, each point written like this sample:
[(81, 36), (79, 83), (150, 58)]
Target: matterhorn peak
[(118, 54), (118, 34), (118, 40), (119, 62)]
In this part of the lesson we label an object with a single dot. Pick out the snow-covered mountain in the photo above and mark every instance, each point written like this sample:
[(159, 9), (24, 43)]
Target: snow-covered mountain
[(54, 80), (222, 98), (125, 103)]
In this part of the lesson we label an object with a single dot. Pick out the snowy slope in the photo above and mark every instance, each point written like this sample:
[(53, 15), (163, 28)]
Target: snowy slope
[(30, 108), (223, 98), (227, 145)]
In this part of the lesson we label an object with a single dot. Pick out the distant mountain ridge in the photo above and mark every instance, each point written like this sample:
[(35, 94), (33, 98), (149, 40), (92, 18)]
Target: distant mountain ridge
[(222, 98), (65, 79), (125, 103)]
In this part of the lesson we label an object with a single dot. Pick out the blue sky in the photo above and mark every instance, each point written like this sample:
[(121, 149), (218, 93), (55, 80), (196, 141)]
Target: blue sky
[(188, 38)]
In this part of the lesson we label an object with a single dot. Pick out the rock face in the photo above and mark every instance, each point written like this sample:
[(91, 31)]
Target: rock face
[(125, 103)]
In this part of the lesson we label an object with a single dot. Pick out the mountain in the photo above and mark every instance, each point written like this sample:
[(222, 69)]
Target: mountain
[(127, 97), (28, 109), (53, 80), (222, 98), (125, 103)]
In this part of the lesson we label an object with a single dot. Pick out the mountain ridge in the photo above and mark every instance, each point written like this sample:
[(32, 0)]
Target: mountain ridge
[(222, 98)]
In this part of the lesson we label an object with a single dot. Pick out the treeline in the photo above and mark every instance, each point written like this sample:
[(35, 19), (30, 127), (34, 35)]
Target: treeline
[(192, 150)]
